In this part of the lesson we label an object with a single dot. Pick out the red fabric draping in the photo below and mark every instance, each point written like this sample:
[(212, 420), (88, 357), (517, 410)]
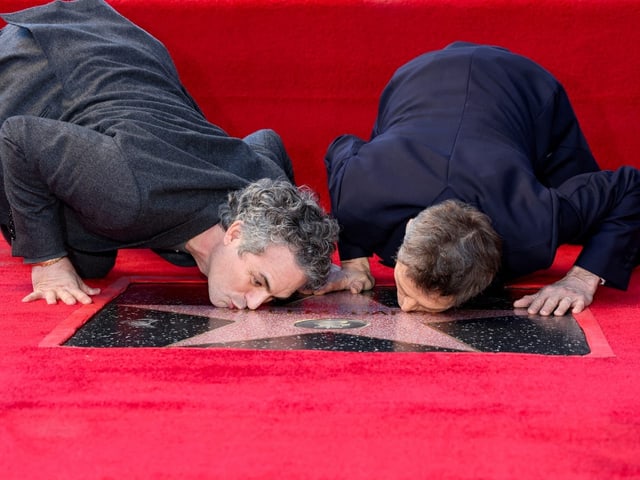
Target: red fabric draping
[(313, 69)]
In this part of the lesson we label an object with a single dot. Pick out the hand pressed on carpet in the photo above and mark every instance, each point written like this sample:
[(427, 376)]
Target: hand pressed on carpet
[(59, 281)]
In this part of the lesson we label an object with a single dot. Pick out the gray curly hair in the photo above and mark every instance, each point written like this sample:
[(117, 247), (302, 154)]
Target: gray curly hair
[(275, 212)]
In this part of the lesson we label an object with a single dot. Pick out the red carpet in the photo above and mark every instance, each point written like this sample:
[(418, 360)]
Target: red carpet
[(187, 413), (312, 69)]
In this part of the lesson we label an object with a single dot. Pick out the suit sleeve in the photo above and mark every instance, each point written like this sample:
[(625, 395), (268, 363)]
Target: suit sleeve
[(338, 155), (47, 164), (602, 212)]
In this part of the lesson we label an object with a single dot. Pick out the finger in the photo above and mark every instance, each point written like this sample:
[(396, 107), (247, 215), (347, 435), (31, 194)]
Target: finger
[(524, 302), (66, 297), (32, 296), (549, 306), (82, 294), (89, 290), (50, 297), (365, 285), (542, 305), (345, 283), (536, 303), (578, 306), (564, 305), (327, 288), (82, 298), (356, 287), (323, 290)]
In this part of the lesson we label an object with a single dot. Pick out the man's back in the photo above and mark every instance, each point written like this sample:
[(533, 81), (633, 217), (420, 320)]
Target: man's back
[(115, 110), (467, 89), (474, 123)]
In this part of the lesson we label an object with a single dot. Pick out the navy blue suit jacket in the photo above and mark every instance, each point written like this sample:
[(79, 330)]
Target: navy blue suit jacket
[(493, 129)]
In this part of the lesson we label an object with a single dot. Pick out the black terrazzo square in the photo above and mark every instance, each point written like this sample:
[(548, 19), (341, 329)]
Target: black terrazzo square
[(180, 315)]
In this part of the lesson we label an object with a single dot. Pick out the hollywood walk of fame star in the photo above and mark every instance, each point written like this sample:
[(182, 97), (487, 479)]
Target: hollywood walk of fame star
[(179, 315), (377, 319)]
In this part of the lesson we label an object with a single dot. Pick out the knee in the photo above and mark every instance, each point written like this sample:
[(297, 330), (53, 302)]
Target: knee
[(9, 143), (92, 265)]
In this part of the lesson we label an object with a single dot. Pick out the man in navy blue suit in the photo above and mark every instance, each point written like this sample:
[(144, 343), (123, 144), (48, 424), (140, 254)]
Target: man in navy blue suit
[(476, 172)]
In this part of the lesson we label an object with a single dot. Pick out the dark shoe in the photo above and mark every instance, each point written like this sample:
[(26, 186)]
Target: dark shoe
[(8, 229)]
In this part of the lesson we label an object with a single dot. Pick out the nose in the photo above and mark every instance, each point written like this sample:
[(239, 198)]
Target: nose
[(256, 298), (407, 304)]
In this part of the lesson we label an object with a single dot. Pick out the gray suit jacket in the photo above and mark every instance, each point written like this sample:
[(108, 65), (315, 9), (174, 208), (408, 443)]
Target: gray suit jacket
[(101, 146)]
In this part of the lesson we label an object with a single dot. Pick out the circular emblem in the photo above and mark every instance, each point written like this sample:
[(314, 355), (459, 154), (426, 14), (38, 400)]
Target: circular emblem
[(331, 324)]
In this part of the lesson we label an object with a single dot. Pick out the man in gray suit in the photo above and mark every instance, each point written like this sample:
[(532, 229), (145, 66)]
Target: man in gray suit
[(102, 148)]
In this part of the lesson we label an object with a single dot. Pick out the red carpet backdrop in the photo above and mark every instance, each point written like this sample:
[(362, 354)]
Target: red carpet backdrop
[(313, 69)]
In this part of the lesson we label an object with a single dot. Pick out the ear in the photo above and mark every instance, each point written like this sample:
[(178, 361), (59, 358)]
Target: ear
[(234, 232)]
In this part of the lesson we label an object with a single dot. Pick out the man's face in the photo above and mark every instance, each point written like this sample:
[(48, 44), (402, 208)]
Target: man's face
[(248, 280), (412, 299)]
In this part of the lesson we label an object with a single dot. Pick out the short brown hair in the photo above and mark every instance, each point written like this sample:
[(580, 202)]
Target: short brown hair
[(451, 249)]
